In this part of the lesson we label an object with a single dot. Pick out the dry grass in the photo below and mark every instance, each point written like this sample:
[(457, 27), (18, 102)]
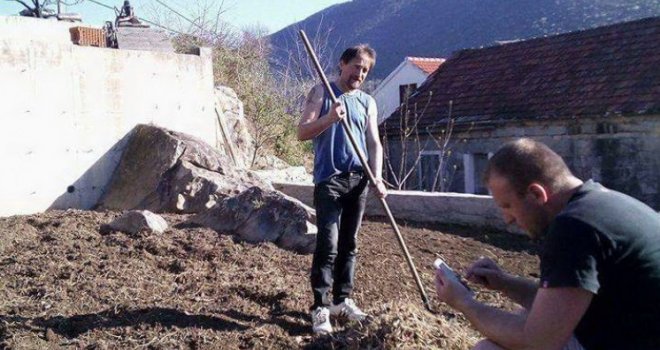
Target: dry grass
[(66, 285)]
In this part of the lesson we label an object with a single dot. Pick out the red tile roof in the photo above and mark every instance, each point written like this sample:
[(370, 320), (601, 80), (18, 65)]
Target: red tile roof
[(427, 64), (611, 70)]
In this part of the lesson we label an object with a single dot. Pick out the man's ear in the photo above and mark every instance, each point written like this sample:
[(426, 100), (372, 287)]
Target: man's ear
[(538, 193)]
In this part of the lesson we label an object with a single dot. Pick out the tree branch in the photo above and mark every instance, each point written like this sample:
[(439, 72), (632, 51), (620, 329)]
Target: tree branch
[(24, 4)]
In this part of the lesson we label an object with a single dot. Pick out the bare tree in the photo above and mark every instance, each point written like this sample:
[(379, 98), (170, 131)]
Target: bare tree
[(441, 135), (240, 61), (41, 8), (34, 8), (409, 137), (414, 141), (294, 68), (201, 24)]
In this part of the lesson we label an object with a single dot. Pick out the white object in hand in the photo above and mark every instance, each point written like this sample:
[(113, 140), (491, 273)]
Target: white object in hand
[(440, 264)]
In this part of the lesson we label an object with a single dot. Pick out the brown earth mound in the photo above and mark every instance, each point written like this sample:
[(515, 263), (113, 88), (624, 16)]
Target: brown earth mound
[(64, 284)]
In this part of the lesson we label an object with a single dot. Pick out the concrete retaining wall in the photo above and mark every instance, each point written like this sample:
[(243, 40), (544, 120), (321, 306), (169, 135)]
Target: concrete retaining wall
[(65, 111), (448, 208)]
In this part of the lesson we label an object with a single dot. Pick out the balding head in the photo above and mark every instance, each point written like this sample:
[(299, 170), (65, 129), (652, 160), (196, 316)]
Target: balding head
[(525, 161)]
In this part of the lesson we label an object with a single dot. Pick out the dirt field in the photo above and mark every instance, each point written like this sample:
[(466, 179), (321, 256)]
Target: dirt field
[(64, 284)]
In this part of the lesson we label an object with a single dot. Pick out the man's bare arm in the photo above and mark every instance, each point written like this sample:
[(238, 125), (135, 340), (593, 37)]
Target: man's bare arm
[(549, 324), (311, 124), (521, 290), (374, 146)]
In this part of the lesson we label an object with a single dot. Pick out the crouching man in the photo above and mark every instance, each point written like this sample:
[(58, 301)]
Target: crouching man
[(599, 282)]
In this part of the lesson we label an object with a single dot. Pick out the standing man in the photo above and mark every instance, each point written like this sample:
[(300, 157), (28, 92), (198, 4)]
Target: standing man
[(600, 261), (340, 190)]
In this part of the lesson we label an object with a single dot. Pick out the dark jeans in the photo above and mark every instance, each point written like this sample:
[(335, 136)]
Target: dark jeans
[(340, 203)]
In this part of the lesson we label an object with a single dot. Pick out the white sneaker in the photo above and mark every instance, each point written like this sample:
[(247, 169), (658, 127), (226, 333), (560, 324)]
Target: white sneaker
[(348, 309), (321, 320)]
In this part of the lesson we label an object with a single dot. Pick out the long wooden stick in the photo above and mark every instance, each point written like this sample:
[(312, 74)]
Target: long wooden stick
[(365, 165), (227, 137)]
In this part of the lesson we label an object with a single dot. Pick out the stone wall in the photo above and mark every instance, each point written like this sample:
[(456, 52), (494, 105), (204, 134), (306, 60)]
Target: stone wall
[(65, 111), (446, 208), (620, 152)]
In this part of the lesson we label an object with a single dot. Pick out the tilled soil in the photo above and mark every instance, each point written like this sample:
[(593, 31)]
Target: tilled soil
[(64, 284)]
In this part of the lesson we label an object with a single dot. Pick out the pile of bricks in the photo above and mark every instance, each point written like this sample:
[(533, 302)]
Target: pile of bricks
[(86, 36)]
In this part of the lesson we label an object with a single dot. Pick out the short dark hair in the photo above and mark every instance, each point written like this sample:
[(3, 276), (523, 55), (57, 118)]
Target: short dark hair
[(525, 161), (356, 50)]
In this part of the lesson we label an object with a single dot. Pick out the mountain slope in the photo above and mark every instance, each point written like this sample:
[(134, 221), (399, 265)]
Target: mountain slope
[(399, 28)]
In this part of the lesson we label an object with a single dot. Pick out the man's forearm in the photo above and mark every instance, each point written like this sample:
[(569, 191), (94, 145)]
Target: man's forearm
[(504, 328), (376, 160), (521, 290), (310, 130)]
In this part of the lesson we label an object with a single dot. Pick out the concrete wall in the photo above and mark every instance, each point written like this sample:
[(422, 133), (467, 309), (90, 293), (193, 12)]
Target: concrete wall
[(620, 152), (387, 93), (448, 208), (27, 29), (65, 111)]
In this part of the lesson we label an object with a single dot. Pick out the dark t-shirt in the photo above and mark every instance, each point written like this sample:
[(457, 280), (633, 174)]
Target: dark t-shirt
[(609, 244)]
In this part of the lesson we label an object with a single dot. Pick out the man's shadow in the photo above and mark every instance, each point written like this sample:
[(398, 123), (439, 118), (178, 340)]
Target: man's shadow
[(73, 326), (231, 320), (278, 314)]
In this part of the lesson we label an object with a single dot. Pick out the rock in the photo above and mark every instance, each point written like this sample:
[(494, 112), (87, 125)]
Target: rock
[(287, 175), (230, 108), (134, 222), (190, 189), (257, 215), (167, 171), (310, 212), (267, 162), (239, 129)]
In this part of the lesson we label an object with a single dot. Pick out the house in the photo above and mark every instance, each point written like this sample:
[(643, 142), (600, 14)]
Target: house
[(593, 96), (402, 82)]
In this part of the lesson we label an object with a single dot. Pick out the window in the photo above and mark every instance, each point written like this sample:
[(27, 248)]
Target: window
[(405, 91), (475, 165)]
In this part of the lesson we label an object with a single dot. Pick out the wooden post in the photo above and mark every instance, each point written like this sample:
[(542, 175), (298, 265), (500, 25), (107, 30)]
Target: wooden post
[(227, 137)]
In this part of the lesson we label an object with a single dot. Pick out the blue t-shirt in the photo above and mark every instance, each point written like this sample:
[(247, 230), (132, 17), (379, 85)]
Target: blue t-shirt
[(333, 152)]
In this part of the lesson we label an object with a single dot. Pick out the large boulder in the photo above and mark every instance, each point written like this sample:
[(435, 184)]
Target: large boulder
[(258, 215), (168, 171)]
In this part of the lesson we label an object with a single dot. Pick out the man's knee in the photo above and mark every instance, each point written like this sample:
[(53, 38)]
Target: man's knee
[(486, 344)]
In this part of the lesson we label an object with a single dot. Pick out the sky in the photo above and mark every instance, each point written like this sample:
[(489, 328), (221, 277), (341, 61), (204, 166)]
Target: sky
[(273, 15)]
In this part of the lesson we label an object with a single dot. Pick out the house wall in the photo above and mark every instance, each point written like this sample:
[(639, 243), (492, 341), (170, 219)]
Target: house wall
[(387, 94), (65, 111), (619, 152)]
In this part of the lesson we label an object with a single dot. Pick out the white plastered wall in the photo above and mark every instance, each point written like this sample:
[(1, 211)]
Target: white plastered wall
[(66, 111)]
